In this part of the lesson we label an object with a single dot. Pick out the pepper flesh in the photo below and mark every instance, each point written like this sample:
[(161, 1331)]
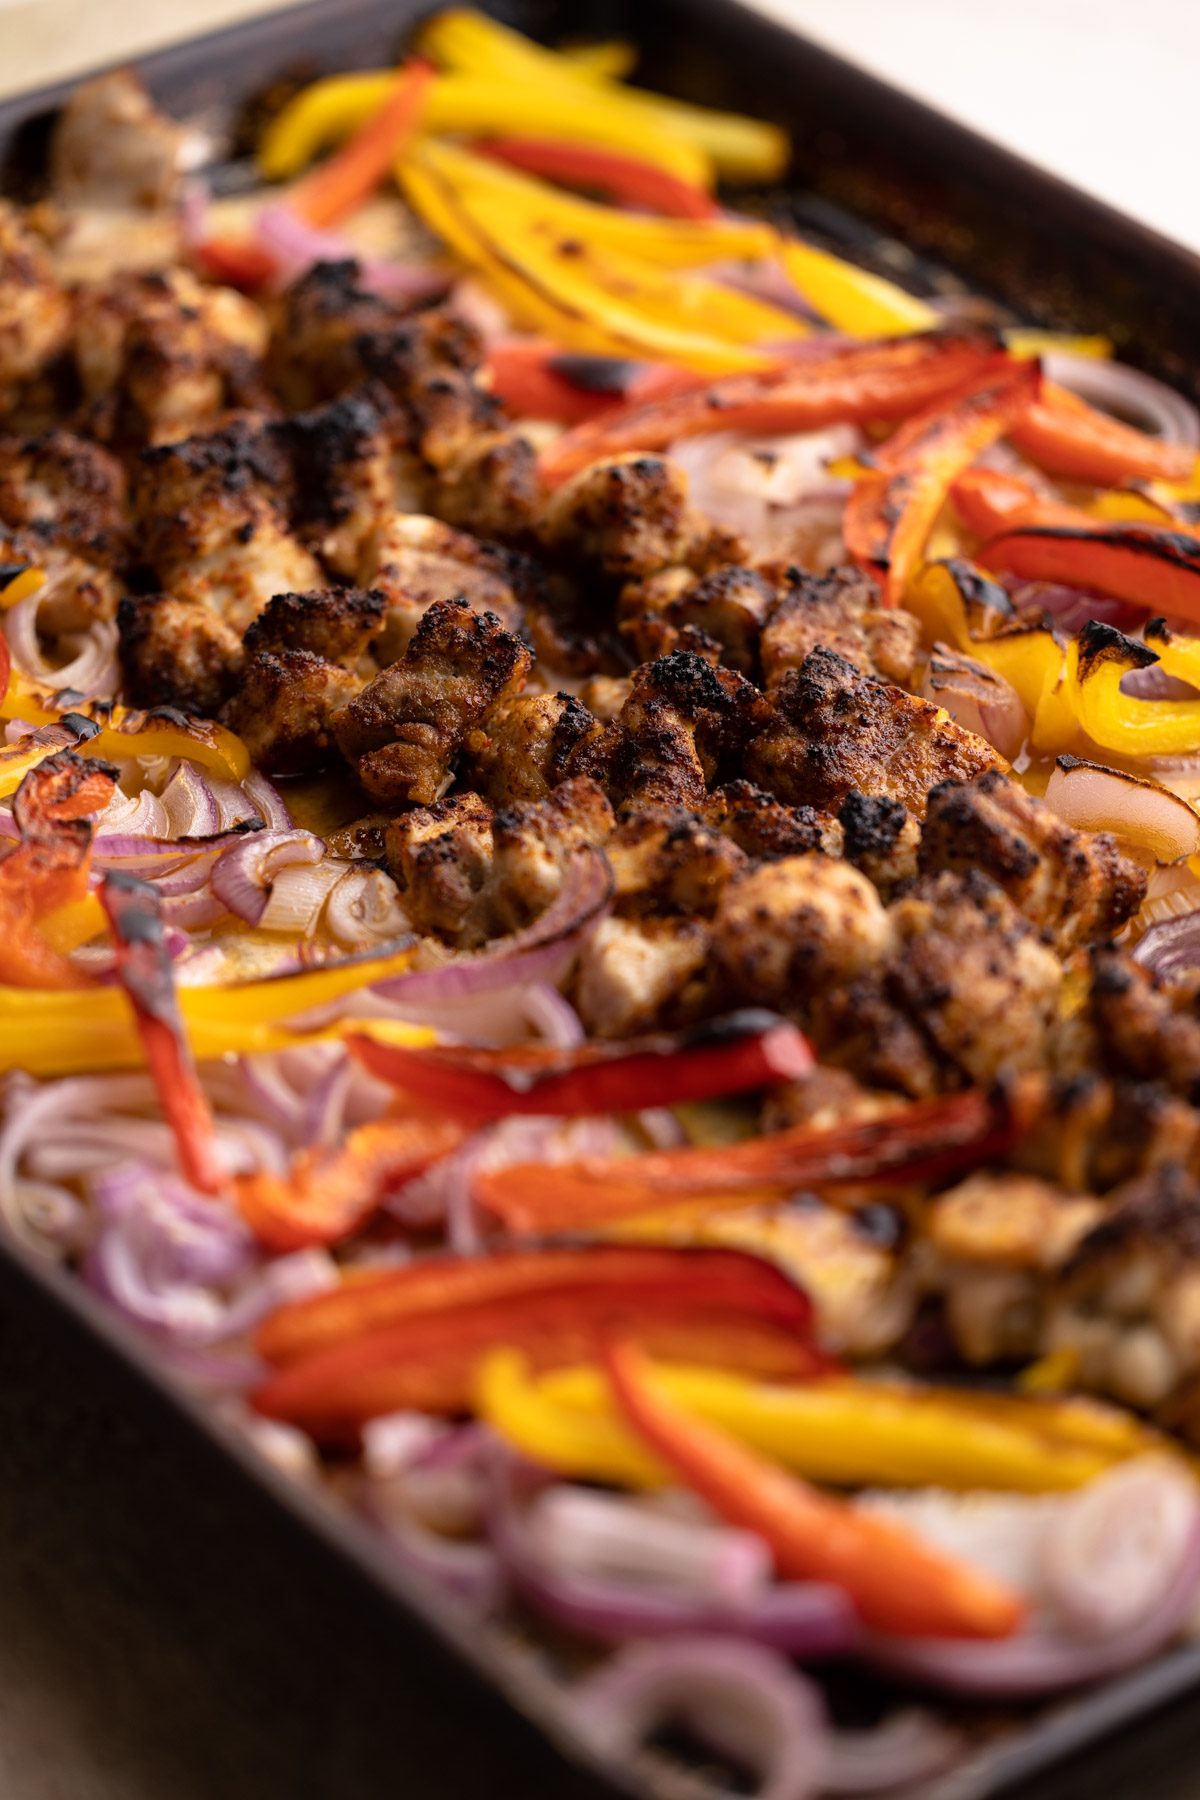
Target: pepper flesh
[(1097, 660), (235, 262), (890, 378), (134, 911), (350, 177), (125, 732), (853, 299), (1069, 437), (896, 1582), (921, 1141), (728, 1057), (989, 502), (626, 179), (890, 515), (49, 868), (728, 1278), (1151, 567)]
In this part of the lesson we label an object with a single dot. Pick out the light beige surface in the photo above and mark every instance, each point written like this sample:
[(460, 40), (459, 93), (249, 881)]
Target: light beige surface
[(47, 40)]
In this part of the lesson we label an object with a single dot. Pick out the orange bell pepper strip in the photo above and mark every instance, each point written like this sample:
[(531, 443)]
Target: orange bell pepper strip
[(729, 1279), (624, 179), (890, 515), (726, 1056), (884, 379), (349, 177), (988, 502), (235, 262), (896, 1582), (329, 1193), (921, 1141), (538, 379), (134, 911), (1067, 436), (49, 867), (1145, 564)]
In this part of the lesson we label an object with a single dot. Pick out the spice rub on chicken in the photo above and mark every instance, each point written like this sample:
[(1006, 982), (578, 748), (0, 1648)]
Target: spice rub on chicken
[(35, 311)]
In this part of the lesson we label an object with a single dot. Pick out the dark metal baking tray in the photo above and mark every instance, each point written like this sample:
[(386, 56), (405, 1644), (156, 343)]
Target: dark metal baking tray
[(896, 185)]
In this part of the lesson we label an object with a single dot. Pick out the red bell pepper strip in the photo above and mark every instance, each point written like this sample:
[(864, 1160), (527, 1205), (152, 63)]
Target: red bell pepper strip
[(727, 1279), (728, 1056), (921, 1141), (235, 262), (896, 1582), (884, 379), (889, 516), (352, 174), (329, 1193), (134, 911), (537, 379), (625, 179), (1148, 565), (49, 867), (1069, 437), (988, 502)]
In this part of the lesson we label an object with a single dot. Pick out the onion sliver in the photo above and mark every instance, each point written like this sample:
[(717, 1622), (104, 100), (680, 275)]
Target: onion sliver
[(1129, 395), (1093, 798), (1171, 949), (364, 909), (242, 875), (298, 896), (190, 804)]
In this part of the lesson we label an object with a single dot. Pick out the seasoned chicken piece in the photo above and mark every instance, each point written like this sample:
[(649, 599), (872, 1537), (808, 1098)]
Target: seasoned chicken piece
[(834, 731), (347, 478), (1075, 885), (822, 1098), (644, 616), (66, 491), (974, 975), (731, 605), (859, 1027), (177, 653), (316, 347), (402, 732), (35, 313), (665, 863), (605, 695), (790, 928), (282, 707), (490, 486), (161, 357), (525, 750), (839, 612), (112, 149), (429, 366), (1094, 1133), (416, 560), (881, 839), (684, 722), (633, 973), (1131, 1026), (764, 828), (334, 623), (1127, 1303), (630, 514), (440, 857), (212, 525), (532, 844)]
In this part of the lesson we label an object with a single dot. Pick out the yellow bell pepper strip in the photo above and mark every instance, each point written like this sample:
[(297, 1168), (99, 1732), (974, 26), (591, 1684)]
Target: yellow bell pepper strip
[(895, 1580), (593, 1445), (884, 379), (350, 177), (919, 1141), (1145, 564), (436, 1284), (124, 732), (625, 179), (134, 911), (1024, 340), (17, 582), (1097, 659), (852, 299), (853, 1433), (1067, 436), (49, 867), (610, 60), (742, 149), (76, 923), (672, 243), (1132, 503), (51, 1034), (889, 517)]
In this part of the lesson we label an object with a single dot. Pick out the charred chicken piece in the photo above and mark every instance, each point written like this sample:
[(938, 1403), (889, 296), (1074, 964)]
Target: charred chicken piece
[(766, 829), (732, 606), (403, 731), (789, 929), (629, 514), (1132, 1026), (839, 612), (211, 523), (347, 476), (415, 560), (440, 856), (316, 350), (527, 747), (490, 485), (532, 844), (667, 863), (1075, 885), (881, 839), (35, 313), (282, 708), (1094, 1133), (835, 731), (65, 490), (177, 653), (113, 150), (644, 611), (334, 623), (635, 973), (162, 358), (428, 366)]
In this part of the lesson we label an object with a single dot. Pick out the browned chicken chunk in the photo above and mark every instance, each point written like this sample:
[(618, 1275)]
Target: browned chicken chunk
[(346, 478), (668, 863), (177, 653), (35, 313), (764, 828), (491, 486), (282, 708), (527, 746), (66, 490), (1132, 1026), (629, 514), (335, 623), (403, 731), (788, 929), (839, 612), (532, 845), (415, 560), (440, 856), (112, 149), (881, 839), (316, 348)]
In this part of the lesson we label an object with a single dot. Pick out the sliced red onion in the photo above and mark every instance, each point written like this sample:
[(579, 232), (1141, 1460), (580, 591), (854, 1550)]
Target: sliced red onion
[(190, 804), (976, 698), (268, 801), (1171, 949), (243, 874), (193, 912), (543, 951), (272, 1095), (552, 1017), (324, 1109), (469, 1572), (297, 246), (662, 1128), (1135, 398), (127, 816), (395, 1441), (1093, 798), (194, 203), (742, 1700), (92, 670), (1070, 608), (755, 485), (1114, 1550), (285, 1447), (579, 1532), (235, 808), (33, 1111), (364, 910), (189, 877), (912, 1746)]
